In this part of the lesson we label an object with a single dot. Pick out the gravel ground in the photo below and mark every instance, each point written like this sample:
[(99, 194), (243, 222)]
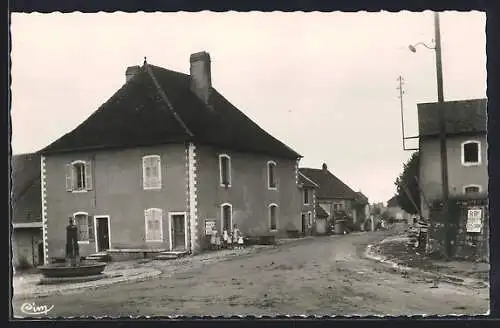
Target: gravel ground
[(396, 249), (319, 276)]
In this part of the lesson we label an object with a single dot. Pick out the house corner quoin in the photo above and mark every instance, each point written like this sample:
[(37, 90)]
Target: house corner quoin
[(43, 179), (192, 193)]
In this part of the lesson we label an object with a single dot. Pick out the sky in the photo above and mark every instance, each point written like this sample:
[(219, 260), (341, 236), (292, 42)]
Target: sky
[(322, 83)]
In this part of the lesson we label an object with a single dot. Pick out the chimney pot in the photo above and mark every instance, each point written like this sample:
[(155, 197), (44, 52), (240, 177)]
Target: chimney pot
[(131, 72), (201, 76)]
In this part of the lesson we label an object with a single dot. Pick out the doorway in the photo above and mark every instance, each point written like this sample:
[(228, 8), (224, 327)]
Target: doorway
[(304, 223), (178, 228), (103, 241), (40, 253)]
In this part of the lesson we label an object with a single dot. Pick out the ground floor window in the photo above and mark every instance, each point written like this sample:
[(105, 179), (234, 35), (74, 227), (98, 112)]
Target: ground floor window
[(154, 230), (227, 217), (84, 226), (273, 217)]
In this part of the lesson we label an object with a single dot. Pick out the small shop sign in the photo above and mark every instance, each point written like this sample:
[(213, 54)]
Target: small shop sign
[(474, 219), (209, 226)]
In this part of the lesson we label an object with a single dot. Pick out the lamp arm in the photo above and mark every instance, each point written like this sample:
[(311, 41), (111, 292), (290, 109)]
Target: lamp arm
[(425, 45)]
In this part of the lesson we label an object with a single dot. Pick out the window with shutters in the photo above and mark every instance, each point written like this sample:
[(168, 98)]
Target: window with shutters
[(154, 224), (472, 189), (225, 170), (273, 217), (151, 172), (79, 176), (271, 175), (85, 227), (471, 153), (306, 196)]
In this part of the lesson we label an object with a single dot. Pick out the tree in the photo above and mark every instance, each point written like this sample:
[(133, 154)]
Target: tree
[(408, 179)]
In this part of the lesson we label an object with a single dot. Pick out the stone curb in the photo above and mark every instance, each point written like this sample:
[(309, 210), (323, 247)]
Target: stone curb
[(115, 277), (451, 279)]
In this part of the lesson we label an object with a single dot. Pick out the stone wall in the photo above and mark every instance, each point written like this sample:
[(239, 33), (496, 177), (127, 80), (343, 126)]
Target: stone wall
[(463, 245)]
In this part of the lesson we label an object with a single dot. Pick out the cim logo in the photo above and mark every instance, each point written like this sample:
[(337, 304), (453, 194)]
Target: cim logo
[(33, 308)]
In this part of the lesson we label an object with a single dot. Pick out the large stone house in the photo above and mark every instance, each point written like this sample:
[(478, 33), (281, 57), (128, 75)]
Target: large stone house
[(467, 167), (333, 195), (308, 193), (26, 215), (166, 159)]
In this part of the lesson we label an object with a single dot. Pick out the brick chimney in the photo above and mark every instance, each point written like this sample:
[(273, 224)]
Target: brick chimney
[(201, 77), (131, 72)]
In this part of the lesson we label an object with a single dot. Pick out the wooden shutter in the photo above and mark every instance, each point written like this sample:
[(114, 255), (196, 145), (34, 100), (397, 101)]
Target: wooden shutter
[(156, 172), (69, 177), (158, 224), (88, 175), (147, 216), (91, 228)]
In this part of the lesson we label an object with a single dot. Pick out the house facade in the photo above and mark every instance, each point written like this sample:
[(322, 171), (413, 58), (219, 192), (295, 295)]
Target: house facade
[(307, 189), (467, 150), (332, 195), (467, 160), (163, 162), (26, 217), (395, 211)]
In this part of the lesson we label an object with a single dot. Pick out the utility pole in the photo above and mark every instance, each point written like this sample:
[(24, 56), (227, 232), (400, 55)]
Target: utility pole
[(401, 93), (442, 134)]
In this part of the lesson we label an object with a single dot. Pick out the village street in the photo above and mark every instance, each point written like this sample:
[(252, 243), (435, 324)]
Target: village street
[(315, 276)]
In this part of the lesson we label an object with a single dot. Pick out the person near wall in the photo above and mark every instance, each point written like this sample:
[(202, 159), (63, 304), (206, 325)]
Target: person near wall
[(213, 239), (237, 237), (225, 239)]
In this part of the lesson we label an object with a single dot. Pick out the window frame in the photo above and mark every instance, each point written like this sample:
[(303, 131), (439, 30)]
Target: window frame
[(306, 191), (229, 175), (479, 187), (152, 210), (276, 207), (268, 165), (148, 186), (222, 206), (73, 172), (462, 151), (90, 227)]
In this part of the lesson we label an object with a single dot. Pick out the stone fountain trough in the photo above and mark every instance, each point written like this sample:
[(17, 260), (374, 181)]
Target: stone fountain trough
[(72, 270), (63, 273)]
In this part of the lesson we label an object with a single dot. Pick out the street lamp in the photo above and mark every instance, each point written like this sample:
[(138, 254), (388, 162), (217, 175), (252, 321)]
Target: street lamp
[(442, 124)]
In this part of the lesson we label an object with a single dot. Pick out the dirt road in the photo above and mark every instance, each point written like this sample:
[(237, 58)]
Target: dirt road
[(323, 276)]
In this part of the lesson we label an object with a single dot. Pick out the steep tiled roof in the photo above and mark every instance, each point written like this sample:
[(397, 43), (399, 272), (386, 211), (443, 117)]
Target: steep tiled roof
[(306, 182), (320, 212), (462, 116), (329, 185), (393, 202), (138, 115), (361, 198), (25, 188)]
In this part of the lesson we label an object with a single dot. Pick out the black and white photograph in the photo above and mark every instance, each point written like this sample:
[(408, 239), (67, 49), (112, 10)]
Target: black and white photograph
[(179, 164)]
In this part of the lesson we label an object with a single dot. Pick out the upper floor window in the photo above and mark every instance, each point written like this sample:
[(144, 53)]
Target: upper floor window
[(472, 189), (225, 170), (306, 196), (273, 217), (84, 226), (471, 153), (271, 175), (154, 224), (151, 172), (78, 176)]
